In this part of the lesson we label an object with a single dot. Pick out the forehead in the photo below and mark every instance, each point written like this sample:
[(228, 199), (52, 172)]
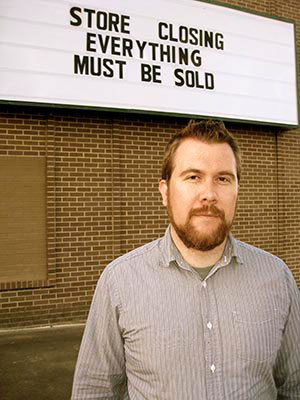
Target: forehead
[(194, 153)]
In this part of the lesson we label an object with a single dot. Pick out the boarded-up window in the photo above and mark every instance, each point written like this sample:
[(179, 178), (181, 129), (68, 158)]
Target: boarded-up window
[(23, 255)]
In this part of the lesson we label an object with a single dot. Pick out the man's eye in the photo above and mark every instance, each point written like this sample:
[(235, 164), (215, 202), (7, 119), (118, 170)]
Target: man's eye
[(224, 179), (193, 177)]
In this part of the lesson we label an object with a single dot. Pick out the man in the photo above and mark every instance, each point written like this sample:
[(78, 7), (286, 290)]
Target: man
[(197, 314)]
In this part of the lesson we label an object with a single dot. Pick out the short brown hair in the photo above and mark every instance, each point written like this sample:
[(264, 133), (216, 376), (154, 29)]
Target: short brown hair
[(207, 131)]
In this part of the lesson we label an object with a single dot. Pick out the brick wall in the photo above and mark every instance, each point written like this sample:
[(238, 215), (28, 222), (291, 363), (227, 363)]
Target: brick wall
[(102, 193)]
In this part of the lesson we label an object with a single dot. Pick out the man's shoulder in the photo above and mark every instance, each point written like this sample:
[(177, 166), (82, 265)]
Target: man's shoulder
[(249, 252), (139, 256)]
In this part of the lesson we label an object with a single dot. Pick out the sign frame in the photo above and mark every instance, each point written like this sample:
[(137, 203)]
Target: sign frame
[(186, 115)]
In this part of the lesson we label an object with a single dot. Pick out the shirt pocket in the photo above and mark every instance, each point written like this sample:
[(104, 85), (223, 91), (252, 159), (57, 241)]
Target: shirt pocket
[(258, 335)]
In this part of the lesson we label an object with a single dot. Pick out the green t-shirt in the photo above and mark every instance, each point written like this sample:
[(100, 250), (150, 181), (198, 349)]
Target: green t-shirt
[(203, 272)]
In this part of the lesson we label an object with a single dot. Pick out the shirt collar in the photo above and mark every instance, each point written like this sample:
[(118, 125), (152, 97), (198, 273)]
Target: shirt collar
[(171, 254), (166, 249)]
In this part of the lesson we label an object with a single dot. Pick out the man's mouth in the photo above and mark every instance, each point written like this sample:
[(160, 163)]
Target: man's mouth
[(203, 214), (207, 211)]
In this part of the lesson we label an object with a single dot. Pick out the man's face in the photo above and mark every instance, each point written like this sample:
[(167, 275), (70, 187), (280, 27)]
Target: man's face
[(201, 194)]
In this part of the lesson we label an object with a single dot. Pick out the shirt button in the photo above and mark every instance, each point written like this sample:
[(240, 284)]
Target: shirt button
[(204, 284), (213, 368), (209, 325)]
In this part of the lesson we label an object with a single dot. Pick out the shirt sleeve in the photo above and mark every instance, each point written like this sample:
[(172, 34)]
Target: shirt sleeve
[(287, 369), (100, 368)]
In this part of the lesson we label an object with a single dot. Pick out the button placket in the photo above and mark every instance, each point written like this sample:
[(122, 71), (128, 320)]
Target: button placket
[(208, 333)]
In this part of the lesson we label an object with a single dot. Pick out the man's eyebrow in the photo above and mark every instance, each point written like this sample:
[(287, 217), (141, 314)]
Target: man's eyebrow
[(191, 171), (229, 173), (200, 172)]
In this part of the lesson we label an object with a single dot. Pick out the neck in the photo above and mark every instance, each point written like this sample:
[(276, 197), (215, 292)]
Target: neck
[(198, 258)]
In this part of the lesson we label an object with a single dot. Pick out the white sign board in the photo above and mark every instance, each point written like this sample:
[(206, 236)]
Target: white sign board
[(183, 57)]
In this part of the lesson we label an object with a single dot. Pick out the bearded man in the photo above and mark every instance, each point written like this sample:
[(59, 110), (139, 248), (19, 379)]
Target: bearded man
[(196, 314)]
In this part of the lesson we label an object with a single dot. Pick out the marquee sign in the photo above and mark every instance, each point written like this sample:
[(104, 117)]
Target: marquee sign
[(182, 57)]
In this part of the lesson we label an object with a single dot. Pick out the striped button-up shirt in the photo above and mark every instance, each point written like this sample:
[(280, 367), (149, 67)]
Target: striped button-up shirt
[(172, 336)]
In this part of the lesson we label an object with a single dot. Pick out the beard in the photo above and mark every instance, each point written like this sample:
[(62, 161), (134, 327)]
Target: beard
[(202, 239)]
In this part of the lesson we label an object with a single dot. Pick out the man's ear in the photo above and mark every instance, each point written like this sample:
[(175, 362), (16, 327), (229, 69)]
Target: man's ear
[(163, 188)]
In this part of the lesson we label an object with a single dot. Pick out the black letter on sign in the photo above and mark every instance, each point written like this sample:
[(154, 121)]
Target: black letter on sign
[(177, 74), (81, 66), (76, 17), (150, 73), (209, 81)]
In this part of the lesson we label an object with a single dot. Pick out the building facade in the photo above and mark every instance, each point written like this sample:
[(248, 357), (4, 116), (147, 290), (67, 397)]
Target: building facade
[(80, 187)]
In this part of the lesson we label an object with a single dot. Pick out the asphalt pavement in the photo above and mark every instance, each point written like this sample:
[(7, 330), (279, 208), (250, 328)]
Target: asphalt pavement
[(38, 364)]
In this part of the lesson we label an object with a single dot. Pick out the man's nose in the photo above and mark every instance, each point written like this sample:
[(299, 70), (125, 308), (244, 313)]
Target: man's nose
[(208, 192)]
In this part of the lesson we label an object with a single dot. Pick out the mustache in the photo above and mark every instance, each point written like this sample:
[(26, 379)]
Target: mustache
[(207, 210)]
